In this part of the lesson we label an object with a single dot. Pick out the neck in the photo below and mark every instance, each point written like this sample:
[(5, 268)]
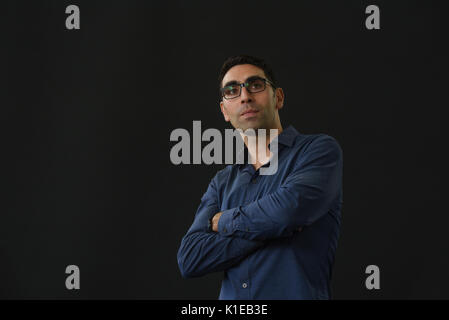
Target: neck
[(259, 158)]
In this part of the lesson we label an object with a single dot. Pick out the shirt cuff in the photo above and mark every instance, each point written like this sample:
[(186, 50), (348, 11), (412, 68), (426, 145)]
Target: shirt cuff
[(225, 223)]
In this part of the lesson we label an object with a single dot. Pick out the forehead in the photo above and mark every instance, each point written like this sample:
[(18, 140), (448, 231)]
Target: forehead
[(242, 72)]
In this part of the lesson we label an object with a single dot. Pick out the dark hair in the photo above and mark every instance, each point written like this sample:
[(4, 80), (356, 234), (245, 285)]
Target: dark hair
[(245, 59)]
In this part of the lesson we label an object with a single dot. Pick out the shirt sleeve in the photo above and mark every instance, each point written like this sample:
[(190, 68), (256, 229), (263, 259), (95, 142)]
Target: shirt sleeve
[(204, 251), (304, 197)]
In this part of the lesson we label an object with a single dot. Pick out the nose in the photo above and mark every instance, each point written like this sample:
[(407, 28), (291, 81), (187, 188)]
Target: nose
[(245, 95)]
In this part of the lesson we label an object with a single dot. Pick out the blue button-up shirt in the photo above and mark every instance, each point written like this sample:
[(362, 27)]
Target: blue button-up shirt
[(278, 233)]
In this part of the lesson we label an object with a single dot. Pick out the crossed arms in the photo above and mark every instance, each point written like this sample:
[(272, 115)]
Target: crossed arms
[(305, 196)]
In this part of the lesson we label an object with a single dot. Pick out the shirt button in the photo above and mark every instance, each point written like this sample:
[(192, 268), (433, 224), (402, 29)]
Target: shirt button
[(244, 285)]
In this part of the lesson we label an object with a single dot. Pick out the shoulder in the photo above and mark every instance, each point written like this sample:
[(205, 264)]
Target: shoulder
[(220, 181), (224, 174), (315, 146)]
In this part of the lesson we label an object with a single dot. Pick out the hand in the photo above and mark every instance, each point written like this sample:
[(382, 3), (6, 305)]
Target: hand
[(215, 221)]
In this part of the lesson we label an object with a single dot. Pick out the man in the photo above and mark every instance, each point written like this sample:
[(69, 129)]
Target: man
[(274, 236)]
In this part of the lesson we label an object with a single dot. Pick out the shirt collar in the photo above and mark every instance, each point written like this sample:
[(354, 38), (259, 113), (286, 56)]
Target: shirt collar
[(287, 136)]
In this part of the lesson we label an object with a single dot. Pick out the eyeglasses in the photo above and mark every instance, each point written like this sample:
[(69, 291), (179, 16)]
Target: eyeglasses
[(253, 85)]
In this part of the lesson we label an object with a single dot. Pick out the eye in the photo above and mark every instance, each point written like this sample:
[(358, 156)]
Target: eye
[(256, 84), (230, 90)]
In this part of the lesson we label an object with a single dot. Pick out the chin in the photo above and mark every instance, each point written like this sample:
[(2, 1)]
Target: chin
[(255, 125)]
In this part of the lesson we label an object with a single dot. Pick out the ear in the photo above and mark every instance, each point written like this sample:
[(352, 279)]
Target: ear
[(223, 110), (279, 98)]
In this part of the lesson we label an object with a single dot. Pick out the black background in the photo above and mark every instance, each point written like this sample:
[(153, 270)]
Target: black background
[(87, 115)]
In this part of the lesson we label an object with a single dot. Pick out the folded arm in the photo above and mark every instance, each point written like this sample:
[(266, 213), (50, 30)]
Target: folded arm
[(203, 251), (305, 196)]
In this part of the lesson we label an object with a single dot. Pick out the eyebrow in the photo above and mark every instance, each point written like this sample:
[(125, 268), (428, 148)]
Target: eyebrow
[(232, 82)]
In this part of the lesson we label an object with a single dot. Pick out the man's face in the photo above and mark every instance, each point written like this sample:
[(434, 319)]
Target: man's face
[(251, 110)]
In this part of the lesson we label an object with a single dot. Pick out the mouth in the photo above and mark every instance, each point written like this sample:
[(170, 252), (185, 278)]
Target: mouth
[(249, 113)]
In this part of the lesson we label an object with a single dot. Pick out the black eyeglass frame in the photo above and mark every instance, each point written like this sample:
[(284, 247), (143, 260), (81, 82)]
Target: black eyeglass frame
[(246, 84)]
